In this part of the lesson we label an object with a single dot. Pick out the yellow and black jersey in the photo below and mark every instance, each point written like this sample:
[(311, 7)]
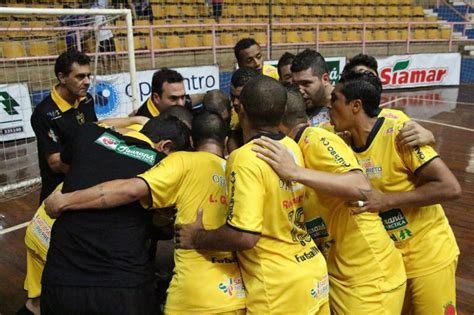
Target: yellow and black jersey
[(284, 272), (394, 114), (356, 247), (203, 281), (422, 234)]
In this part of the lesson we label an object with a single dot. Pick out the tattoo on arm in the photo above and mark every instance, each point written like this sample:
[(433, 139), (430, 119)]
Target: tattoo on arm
[(363, 193)]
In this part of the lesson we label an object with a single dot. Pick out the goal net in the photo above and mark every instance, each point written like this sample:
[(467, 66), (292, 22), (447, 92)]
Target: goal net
[(30, 41)]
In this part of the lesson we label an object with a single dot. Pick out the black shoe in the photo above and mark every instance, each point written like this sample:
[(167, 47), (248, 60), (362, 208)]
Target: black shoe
[(24, 311)]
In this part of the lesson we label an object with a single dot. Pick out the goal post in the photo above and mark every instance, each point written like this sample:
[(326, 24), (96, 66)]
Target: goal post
[(30, 41)]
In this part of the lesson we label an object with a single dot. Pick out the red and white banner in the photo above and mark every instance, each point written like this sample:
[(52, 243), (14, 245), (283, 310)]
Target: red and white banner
[(410, 71)]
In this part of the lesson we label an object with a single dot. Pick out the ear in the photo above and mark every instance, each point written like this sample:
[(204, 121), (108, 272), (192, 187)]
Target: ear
[(325, 78), (356, 106), (62, 78), (155, 98), (164, 146)]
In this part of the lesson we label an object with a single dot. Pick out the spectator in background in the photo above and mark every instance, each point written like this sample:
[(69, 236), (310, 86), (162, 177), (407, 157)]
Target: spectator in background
[(72, 42), (105, 37), (284, 67), (217, 9)]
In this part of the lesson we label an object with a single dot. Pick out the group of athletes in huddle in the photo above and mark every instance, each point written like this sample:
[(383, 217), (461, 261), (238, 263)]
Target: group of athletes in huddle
[(326, 203)]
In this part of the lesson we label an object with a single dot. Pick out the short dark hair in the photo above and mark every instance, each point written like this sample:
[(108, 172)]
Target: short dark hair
[(310, 58), (217, 101), (162, 76), (295, 111), (263, 99), (168, 128), (286, 59), (364, 60), (242, 44), (208, 127), (66, 59), (241, 76), (180, 112), (365, 86)]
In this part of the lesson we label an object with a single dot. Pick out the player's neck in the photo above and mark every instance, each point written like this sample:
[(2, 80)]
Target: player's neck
[(294, 131), (249, 133), (361, 130), (66, 95), (212, 148)]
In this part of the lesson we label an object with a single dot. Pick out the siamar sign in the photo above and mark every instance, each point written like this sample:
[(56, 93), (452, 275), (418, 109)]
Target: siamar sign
[(335, 66), (15, 112), (420, 70)]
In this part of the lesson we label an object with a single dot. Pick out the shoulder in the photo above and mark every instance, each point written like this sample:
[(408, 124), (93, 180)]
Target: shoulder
[(395, 114)]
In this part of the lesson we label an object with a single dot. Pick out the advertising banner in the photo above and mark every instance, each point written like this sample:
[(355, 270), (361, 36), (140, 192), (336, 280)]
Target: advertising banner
[(15, 112), (421, 70), (113, 91)]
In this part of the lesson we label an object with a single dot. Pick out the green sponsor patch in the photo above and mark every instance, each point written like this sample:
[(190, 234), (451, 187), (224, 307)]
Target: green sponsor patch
[(393, 219), (113, 143)]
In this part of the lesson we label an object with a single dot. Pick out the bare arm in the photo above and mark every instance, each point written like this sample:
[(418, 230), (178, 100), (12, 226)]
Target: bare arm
[(347, 186), (55, 163), (102, 196), (413, 134), (436, 184), (194, 236)]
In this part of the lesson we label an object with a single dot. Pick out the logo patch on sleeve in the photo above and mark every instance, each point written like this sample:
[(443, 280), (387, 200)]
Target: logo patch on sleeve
[(119, 146)]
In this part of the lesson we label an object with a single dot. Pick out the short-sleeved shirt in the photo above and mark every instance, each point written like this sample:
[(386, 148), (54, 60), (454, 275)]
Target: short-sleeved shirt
[(102, 247), (357, 248), (54, 122), (203, 281), (148, 109), (422, 234), (284, 272)]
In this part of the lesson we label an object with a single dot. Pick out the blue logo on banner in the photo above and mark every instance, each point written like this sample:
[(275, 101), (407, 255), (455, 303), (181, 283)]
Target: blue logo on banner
[(106, 99)]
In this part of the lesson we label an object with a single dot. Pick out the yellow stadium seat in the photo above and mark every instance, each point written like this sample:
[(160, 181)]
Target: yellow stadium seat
[(178, 29), (323, 36), (192, 40), (262, 10), (13, 49), (420, 34), (393, 11), (356, 11), (277, 10), (226, 39), (138, 43), (307, 37), (369, 12), (330, 11), (142, 30), (380, 35), (433, 34), (249, 11), (418, 11), (157, 10), (277, 37), (358, 3), (317, 11), (293, 37), (405, 11), (369, 36), (173, 41), (344, 11), (156, 42), (291, 11), (261, 38), (337, 36), (445, 33), (353, 36), (304, 11), (207, 40), (39, 48), (188, 10), (381, 11), (405, 2), (393, 35), (404, 34), (61, 45), (172, 10)]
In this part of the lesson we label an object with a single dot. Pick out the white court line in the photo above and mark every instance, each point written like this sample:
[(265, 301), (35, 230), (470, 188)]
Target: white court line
[(392, 101), (443, 124), (14, 228)]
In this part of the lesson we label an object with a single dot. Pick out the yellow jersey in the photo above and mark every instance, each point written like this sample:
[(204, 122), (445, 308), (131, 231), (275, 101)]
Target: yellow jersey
[(422, 234), (284, 272), (357, 248), (270, 71), (203, 281), (395, 114)]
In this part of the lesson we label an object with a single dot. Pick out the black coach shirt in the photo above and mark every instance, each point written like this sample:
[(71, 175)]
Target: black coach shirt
[(54, 121), (102, 248)]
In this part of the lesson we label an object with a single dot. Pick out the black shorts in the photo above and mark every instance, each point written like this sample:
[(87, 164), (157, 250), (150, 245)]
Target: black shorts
[(107, 45), (98, 300)]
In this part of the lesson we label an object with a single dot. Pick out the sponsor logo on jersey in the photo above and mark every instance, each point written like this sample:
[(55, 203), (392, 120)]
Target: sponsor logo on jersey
[(449, 309), (419, 153), (339, 159), (232, 287), (393, 219), (371, 170), (113, 143), (400, 74), (317, 228), (321, 288), (307, 255)]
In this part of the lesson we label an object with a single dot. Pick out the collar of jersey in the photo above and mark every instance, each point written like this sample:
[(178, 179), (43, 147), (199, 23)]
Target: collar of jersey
[(371, 137), (271, 135), (139, 136), (152, 108), (62, 104), (299, 134)]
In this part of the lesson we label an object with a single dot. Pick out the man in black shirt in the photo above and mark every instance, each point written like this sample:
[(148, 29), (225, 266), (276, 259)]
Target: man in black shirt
[(57, 117), (97, 261)]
